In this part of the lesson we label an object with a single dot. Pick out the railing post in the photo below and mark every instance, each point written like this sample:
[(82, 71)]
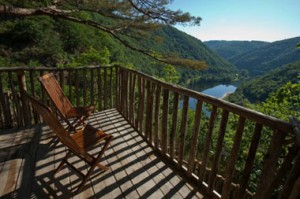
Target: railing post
[(25, 104)]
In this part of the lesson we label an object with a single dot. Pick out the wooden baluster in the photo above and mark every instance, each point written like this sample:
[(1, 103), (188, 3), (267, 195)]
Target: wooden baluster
[(149, 112), (15, 100), (125, 94), (5, 105), (99, 84), (122, 91), (61, 79), (32, 88), (84, 87), (292, 183), (174, 125), (156, 117), (137, 119), (194, 140), (164, 125), (137, 127), (117, 88), (250, 160), (43, 95), (219, 146), (111, 88), (25, 104), (182, 130), (291, 186), (70, 82), (105, 87), (211, 124), (92, 87), (132, 102), (142, 101), (31, 80), (130, 95), (233, 157), (77, 93), (285, 167), (270, 164)]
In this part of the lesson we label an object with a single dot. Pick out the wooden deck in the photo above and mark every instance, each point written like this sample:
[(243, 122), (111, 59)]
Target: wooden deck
[(27, 161)]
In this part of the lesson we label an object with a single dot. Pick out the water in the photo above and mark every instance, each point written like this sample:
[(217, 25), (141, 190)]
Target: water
[(218, 91)]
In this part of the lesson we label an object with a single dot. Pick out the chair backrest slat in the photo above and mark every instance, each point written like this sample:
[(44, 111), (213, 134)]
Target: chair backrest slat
[(56, 94)]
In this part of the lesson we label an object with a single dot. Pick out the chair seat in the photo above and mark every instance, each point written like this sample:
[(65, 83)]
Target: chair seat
[(80, 111), (89, 136)]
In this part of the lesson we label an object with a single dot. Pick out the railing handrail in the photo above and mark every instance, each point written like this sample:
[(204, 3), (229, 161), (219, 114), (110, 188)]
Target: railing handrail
[(253, 115)]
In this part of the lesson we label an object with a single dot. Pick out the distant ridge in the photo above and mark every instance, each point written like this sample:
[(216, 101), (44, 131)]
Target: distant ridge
[(229, 49), (261, 57)]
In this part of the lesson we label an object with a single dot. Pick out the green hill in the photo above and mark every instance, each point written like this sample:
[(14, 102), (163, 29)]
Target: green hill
[(186, 46), (230, 49), (259, 88), (36, 41), (266, 58), (257, 57)]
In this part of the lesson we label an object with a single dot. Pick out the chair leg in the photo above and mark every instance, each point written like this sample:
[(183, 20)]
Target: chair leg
[(94, 164), (62, 162)]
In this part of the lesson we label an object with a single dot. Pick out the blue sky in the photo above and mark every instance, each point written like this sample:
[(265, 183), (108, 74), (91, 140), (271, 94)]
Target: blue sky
[(264, 20)]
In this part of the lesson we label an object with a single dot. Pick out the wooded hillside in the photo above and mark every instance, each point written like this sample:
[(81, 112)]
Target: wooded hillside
[(259, 89), (261, 58), (41, 40)]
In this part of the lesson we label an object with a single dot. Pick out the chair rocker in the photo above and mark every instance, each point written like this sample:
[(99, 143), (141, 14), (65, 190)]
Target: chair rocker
[(77, 143)]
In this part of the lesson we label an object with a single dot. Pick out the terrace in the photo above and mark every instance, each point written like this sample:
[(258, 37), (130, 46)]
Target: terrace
[(163, 147)]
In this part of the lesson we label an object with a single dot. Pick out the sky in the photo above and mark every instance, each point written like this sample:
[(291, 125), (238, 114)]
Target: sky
[(262, 20)]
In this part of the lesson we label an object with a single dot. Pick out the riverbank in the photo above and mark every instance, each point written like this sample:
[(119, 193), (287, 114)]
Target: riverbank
[(226, 95)]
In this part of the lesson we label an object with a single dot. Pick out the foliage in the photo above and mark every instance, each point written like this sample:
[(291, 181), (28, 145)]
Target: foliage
[(283, 103), (91, 57), (170, 74), (123, 20), (271, 82)]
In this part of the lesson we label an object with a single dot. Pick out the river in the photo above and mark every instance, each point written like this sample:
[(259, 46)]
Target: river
[(216, 90)]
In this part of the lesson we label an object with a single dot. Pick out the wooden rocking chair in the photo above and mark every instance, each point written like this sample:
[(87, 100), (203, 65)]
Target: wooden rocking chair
[(62, 103), (77, 143)]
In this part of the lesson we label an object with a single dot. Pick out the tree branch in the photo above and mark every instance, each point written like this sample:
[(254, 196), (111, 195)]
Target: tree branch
[(55, 13)]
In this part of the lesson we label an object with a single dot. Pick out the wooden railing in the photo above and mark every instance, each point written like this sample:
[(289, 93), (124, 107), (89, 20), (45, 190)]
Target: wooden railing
[(83, 86), (227, 151)]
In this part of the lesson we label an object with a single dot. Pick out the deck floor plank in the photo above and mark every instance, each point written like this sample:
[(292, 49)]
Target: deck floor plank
[(135, 171), (150, 164), (122, 179), (13, 161)]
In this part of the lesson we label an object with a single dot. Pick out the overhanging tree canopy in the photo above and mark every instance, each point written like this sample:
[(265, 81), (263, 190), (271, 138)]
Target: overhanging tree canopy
[(121, 18)]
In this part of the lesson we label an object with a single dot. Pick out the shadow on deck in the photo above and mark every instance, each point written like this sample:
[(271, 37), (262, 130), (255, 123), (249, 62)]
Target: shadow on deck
[(27, 162)]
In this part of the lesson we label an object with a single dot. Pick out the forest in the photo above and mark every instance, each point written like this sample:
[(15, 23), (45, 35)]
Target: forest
[(43, 41)]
